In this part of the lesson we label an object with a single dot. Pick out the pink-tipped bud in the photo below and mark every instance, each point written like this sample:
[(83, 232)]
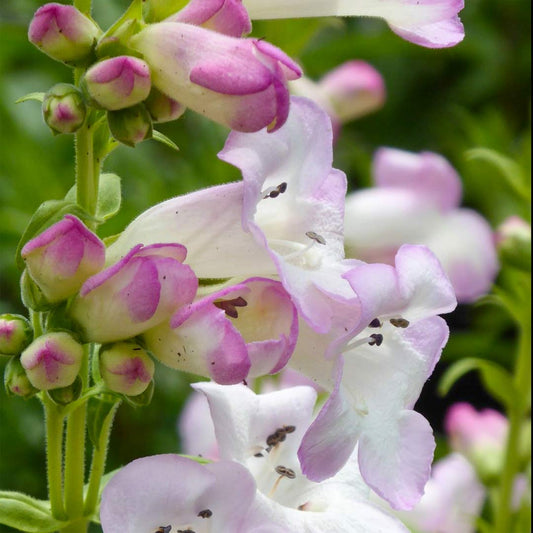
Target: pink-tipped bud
[(63, 32), (63, 108), (52, 361), (15, 334), (118, 82), (479, 435), (16, 381), (126, 368), (162, 108), (513, 238), (130, 126), (62, 257)]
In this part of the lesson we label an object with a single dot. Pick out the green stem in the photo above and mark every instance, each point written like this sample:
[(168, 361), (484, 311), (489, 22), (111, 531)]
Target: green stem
[(87, 173), (98, 462), (522, 380), (75, 460), (54, 455), (36, 323)]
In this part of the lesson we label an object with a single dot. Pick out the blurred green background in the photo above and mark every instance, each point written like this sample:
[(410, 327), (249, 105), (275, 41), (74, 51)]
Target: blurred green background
[(449, 101)]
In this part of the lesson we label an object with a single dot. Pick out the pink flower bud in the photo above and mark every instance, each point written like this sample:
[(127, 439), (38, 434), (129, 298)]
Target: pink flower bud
[(15, 334), (223, 16), (16, 381), (513, 239), (126, 368), (118, 82), (130, 126), (140, 291), (241, 83), (63, 32), (162, 108), (52, 361), (63, 108), (478, 435), (62, 257)]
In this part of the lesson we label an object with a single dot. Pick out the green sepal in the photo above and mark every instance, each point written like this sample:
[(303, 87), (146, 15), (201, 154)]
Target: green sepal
[(38, 97), (109, 197), (32, 297), (114, 42), (98, 410), (108, 241), (143, 399), (24, 513), (496, 379), (14, 371), (49, 213), (104, 144), (66, 395), (157, 10), (163, 139), (58, 319)]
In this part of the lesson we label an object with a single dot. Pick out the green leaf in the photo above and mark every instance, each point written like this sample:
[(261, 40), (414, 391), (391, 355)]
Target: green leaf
[(39, 97), (98, 410), (510, 170), (163, 139), (25, 513), (109, 196), (495, 378), (47, 214)]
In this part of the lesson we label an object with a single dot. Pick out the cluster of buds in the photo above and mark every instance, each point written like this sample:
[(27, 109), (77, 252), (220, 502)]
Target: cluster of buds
[(141, 74)]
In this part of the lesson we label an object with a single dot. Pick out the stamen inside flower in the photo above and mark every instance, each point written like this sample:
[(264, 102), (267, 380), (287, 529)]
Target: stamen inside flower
[(228, 306), (376, 339), (316, 237), (206, 513), (376, 323), (399, 322), (283, 471), (274, 192), (163, 529)]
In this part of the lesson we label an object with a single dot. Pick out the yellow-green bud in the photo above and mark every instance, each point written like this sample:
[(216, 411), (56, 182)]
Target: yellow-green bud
[(63, 108), (130, 126), (15, 334)]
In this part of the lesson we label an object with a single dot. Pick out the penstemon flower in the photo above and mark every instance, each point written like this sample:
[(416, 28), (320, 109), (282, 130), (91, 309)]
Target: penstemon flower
[(416, 200), (376, 381), (241, 83), (431, 23)]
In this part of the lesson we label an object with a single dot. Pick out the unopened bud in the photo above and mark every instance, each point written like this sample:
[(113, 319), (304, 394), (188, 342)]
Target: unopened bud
[(63, 108), (16, 381), (118, 83), (63, 32), (126, 368), (15, 334), (162, 108), (52, 361), (513, 238), (130, 126), (62, 257)]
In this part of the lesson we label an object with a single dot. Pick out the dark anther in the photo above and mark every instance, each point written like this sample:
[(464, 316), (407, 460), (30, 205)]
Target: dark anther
[(289, 429), (272, 440), (185, 531), (206, 513), (285, 472), (315, 237), (375, 323), (399, 322), (259, 454), (228, 306), (164, 529), (275, 191), (377, 339)]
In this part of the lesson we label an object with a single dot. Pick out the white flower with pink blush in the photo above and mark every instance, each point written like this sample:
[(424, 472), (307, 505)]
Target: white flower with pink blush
[(263, 432), (416, 201), (430, 23), (376, 377)]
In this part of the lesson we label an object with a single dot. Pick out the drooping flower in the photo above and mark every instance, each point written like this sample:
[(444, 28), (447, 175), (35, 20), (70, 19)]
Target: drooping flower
[(62, 257), (347, 92), (262, 432), (430, 23), (376, 381), (241, 83), (416, 201), (252, 331), (285, 219), (138, 292), (452, 501), (169, 493)]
